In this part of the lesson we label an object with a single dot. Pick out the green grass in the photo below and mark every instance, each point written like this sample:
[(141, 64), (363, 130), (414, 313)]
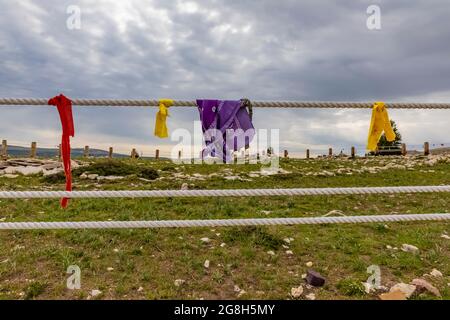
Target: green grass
[(33, 264)]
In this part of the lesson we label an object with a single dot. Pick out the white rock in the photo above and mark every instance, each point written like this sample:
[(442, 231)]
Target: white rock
[(140, 289), (436, 273), (179, 282), (407, 289), (95, 293), (206, 240), (236, 288), (206, 264), (304, 276), (289, 252), (241, 293), (92, 176), (270, 252), (10, 176), (309, 264), (109, 178), (83, 175), (444, 236), (223, 244), (297, 292), (409, 248), (310, 296), (110, 269), (184, 186)]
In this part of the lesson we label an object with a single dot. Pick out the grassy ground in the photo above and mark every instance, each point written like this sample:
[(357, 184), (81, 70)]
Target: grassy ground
[(143, 264)]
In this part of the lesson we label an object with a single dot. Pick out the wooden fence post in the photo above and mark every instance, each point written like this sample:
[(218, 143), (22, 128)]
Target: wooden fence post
[(353, 153), (426, 148), (286, 154), (59, 152), (179, 154), (110, 152), (4, 149), (86, 152), (133, 153), (157, 154), (404, 149), (307, 153), (330, 152), (33, 150)]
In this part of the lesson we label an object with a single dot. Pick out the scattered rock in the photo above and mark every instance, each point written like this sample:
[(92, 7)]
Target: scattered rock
[(140, 289), (110, 269), (444, 236), (410, 248), (10, 176), (206, 264), (314, 278), (241, 293), (206, 240), (184, 186), (436, 273), (289, 252), (423, 285), (270, 252), (92, 176), (95, 293), (179, 282), (407, 289), (297, 292), (394, 295), (223, 244), (309, 264), (236, 288), (310, 296)]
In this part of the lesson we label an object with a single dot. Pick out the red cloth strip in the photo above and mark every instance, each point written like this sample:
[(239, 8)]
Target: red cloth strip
[(64, 106)]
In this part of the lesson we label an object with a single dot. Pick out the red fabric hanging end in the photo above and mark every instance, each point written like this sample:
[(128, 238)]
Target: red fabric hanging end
[(64, 106)]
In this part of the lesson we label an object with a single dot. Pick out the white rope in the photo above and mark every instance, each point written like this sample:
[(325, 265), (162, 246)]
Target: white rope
[(259, 104), (220, 222), (220, 193)]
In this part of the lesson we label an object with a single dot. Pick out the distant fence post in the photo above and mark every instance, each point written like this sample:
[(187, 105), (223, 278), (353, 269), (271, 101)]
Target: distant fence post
[(157, 154), (404, 149), (307, 153), (179, 154), (110, 153), (86, 152), (330, 152), (33, 150), (4, 149), (426, 148), (59, 152), (286, 154), (353, 152), (133, 154)]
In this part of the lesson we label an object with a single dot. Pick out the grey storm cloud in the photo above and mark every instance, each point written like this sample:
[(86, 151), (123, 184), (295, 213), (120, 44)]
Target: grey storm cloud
[(263, 50)]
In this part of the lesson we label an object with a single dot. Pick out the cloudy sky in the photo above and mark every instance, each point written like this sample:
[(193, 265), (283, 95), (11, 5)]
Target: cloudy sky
[(263, 50)]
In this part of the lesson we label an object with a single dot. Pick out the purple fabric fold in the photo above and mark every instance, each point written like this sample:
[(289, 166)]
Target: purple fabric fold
[(220, 119)]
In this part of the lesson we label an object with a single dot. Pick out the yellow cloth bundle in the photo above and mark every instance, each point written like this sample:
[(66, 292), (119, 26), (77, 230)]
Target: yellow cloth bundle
[(160, 125), (379, 123)]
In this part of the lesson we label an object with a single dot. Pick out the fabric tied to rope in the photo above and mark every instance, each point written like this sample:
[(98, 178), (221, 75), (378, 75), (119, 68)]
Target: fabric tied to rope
[(161, 125), (64, 106), (380, 122), (226, 126)]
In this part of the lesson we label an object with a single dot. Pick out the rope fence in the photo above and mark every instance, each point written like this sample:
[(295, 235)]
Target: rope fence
[(221, 222), (258, 104), (221, 193)]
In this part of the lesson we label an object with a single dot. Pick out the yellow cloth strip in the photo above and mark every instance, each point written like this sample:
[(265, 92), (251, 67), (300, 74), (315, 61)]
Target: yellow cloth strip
[(380, 122), (161, 125)]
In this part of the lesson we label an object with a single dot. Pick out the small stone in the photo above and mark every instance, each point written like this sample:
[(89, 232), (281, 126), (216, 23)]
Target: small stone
[(409, 248), (206, 264), (314, 278), (287, 240), (179, 282), (389, 247), (223, 244), (92, 176), (423, 285), (444, 236), (436, 273), (140, 289), (394, 295), (206, 240), (116, 250), (270, 252), (304, 276), (297, 292), (407, 289), (184, 186), (289, 252), (110, 269), (241, 293), (310, 296), (95, 293), (236, 288), (309, 264)]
